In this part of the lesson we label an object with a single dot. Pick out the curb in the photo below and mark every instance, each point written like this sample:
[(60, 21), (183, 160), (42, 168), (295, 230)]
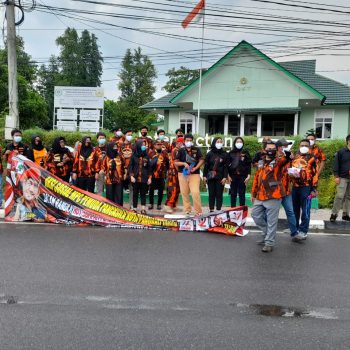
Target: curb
[(314, 224)]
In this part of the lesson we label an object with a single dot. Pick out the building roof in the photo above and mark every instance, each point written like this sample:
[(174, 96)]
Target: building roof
[(163, 102), (335, 92), (304, 72)]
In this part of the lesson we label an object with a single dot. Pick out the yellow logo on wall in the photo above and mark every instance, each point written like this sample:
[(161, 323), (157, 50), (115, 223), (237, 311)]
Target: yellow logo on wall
[(243, 81)]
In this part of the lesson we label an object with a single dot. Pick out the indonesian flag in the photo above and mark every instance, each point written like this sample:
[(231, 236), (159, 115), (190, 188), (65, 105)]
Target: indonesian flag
[(197, 11)]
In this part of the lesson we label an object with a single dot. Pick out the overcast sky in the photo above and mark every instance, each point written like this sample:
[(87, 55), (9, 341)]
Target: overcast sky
[(40, 30)]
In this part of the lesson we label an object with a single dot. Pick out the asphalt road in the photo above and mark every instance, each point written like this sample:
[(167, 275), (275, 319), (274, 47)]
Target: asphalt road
[(95, 288)]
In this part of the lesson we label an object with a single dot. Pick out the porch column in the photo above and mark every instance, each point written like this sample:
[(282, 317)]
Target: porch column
[(242, 125), (296, 123), (258, 127), (226, 125)]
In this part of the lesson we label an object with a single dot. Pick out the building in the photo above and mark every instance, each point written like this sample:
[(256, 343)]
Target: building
[(248, 93)]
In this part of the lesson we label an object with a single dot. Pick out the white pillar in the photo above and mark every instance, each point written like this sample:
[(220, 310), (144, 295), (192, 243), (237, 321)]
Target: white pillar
[(226, 125), (242, 125), (296, 123), (259, 124)]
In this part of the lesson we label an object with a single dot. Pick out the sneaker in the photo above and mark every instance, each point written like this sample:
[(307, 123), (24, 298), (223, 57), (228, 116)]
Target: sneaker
[(333, 218), (346, 217), (159, 207), (267, 249), (303, 235), (260, 242), (150, 207), (168, 209), (298, 238)]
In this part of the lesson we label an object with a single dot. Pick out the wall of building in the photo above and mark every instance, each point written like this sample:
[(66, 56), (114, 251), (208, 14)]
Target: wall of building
[(341, 121)]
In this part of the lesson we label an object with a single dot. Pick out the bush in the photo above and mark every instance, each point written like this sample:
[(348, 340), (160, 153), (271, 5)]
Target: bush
[(326, 192)]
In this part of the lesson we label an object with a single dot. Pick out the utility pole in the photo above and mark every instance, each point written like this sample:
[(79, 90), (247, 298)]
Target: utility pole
[(12, 120)]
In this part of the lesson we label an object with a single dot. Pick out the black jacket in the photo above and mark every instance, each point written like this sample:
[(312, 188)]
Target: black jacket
[(216, 160), (140, 164), (341, 165), (239, 162)]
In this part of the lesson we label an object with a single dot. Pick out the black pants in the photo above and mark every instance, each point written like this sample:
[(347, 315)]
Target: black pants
[(86, 183), (114, 193), (157, 184), (238, 187), (216, 192), (139, 188)]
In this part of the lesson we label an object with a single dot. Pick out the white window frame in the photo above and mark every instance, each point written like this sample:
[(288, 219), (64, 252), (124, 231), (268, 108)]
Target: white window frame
[(187, 120), (324, 113)]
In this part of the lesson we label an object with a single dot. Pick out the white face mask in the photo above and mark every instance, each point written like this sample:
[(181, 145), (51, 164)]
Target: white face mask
[(304, 150), (218, 145), (188, 144), (312, 142), (128, 138), (119, 133), (239, 145)]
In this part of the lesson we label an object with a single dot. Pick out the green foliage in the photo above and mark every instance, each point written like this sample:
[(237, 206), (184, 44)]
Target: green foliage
[(180, 77), (326, 192)]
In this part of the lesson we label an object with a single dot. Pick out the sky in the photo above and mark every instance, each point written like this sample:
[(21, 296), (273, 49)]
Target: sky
[(284, 33)]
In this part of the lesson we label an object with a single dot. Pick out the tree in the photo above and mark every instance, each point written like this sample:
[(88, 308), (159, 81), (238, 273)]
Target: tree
[(180, 77), (137, 78)]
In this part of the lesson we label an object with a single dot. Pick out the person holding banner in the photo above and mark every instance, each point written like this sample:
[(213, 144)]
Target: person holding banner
[(16, 147), (140, 174), (83, 166), (98, 156), (60, 160), (189, 161), (37, 151), (160, 167), (113, 168), (215, 173), (304, 175)]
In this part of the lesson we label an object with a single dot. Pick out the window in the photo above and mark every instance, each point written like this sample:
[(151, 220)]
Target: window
[(324, 123), (186, 124), (233, 125), (250, 125)]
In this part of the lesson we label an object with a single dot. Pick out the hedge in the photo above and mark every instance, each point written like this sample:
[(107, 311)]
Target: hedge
[(326, 186)]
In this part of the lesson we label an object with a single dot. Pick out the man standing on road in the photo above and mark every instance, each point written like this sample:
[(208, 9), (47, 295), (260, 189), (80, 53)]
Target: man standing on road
[(267, 193), (341, 170), (317, 152)]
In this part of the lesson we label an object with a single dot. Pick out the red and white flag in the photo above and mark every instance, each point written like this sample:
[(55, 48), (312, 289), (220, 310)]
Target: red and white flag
[(196, 13)]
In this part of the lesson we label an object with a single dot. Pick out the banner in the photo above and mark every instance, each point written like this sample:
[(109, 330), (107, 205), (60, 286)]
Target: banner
[(34, 194)]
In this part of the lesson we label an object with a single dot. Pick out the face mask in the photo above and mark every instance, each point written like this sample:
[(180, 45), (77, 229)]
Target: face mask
[(119, 133), (271, 153), (188, 144), (161, 137), (159, 150), (312, 142), (101, 141), (144, 134), (128, 137), (143, 148), (304, 150), (239, 145), (218, 145), (17, 139)]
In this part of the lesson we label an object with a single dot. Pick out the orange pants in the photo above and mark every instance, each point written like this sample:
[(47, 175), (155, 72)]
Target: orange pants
[(173, 190), (190, 184)]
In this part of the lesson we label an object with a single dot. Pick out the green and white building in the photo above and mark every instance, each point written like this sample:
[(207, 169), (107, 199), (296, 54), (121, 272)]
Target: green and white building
[(248, 93)]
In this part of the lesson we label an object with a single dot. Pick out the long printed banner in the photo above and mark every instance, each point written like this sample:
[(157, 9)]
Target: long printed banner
[(34, 194)]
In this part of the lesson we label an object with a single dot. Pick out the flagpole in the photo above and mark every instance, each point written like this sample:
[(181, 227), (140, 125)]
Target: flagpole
[(200, 76)]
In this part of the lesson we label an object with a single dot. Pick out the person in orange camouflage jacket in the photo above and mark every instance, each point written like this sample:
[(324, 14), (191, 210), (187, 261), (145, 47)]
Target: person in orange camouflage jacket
[(113, 166), (60, 160), (317, 152), (160, 166), (84, 167), (267, 193), (304, 174), (98, 156), (126, 150)]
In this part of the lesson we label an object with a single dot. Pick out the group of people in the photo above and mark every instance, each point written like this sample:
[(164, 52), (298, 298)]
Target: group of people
[(145, 165)]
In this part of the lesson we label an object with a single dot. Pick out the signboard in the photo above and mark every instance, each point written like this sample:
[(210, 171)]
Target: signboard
[(89, 126), (34, 194), (78, 97), (67, 114), (90, 115), (67, 125)]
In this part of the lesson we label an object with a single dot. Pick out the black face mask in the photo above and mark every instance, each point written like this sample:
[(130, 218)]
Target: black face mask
[(271, 153), (144, 134), (159, 150)]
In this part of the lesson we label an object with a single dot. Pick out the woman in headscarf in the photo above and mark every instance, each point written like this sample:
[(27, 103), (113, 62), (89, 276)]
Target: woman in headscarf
[(84, 167), (140, 173), (215, 173), (60, 159), (115, 172), (37, 151), (239, 170)]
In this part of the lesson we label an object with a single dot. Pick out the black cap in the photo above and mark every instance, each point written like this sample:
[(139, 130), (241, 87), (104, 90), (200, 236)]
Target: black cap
[(283, 142)]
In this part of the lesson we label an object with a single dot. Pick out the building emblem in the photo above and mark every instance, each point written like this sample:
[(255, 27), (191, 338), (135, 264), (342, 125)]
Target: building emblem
[(243, 81)]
